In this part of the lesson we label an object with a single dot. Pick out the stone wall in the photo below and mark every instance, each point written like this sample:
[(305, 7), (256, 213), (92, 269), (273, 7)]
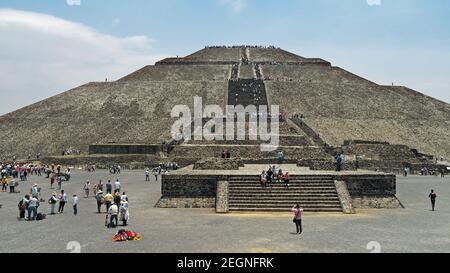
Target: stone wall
[(247, 151), (326, 164), (124, 149), (218, 164), (125, 161), (370, 185)]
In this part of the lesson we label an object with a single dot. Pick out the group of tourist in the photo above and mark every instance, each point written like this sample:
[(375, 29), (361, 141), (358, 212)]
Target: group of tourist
[(273, 174), (114, 169), (432, 172)]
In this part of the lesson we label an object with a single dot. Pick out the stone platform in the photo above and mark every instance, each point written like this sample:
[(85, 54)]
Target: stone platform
[(240, 190)]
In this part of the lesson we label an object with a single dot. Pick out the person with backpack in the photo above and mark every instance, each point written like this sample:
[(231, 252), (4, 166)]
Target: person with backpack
[(52, 201), (100, 200), (23, 206), (433, 196), (298, 215), (113, 211), (62, 201)]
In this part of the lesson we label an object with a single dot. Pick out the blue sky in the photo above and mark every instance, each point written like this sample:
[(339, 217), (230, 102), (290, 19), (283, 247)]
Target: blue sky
[(47, 42)]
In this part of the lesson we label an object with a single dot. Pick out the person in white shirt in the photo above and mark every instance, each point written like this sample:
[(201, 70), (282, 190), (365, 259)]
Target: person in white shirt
[(124, 197), (117, 186), (75, 204), (113, 211), (62, 201)]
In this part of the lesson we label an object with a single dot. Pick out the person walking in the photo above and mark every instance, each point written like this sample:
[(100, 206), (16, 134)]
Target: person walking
[(124, 197), (100, 200), (33, 204), (147, 175), (52, 201), (100, 185), (442, 173), (108, 201), (298, 215), (117, 186), (62, 201), (433, 196), (23, 206), (86, 189), (75, 204), (12, 184), (108, 187), (124, 213), (113, 211)]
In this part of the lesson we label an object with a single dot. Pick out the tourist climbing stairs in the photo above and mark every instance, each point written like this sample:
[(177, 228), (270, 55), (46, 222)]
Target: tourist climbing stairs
[(313, 193)]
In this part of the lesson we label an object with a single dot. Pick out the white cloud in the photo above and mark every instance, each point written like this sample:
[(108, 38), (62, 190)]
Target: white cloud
[(236, 5), (73, 2), (374, 2), (42, 55)]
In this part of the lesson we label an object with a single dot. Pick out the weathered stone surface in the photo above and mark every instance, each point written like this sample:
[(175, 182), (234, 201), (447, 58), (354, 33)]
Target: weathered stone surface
[(222, 197), (377, 202), (186, 203), (218, 164), (344, 197)]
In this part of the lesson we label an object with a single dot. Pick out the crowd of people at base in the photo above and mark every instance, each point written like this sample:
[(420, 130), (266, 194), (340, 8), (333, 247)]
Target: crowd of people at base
[(114, 169), (272, 175), (162, 168), (116, 204)]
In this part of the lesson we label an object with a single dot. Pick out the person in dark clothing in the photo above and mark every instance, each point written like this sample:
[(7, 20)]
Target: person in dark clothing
[(433, 197), (108, 187)]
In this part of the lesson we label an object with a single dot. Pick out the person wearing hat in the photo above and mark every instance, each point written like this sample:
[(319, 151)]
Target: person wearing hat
[(100, 200), (124, 214), (52, 201), (35, 191)]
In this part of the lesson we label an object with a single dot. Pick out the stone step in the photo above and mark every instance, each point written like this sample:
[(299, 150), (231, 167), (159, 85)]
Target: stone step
[(293, 191), (295, 183), (276, 195), (313, 201), (283, 205), (292, 177), (280, 187), (286, 209)]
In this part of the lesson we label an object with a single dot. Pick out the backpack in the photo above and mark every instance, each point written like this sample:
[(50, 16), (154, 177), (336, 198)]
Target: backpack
[(40, 216)]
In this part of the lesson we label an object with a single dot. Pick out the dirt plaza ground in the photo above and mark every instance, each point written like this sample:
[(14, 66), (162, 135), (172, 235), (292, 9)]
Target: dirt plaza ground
[(413, 229)]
